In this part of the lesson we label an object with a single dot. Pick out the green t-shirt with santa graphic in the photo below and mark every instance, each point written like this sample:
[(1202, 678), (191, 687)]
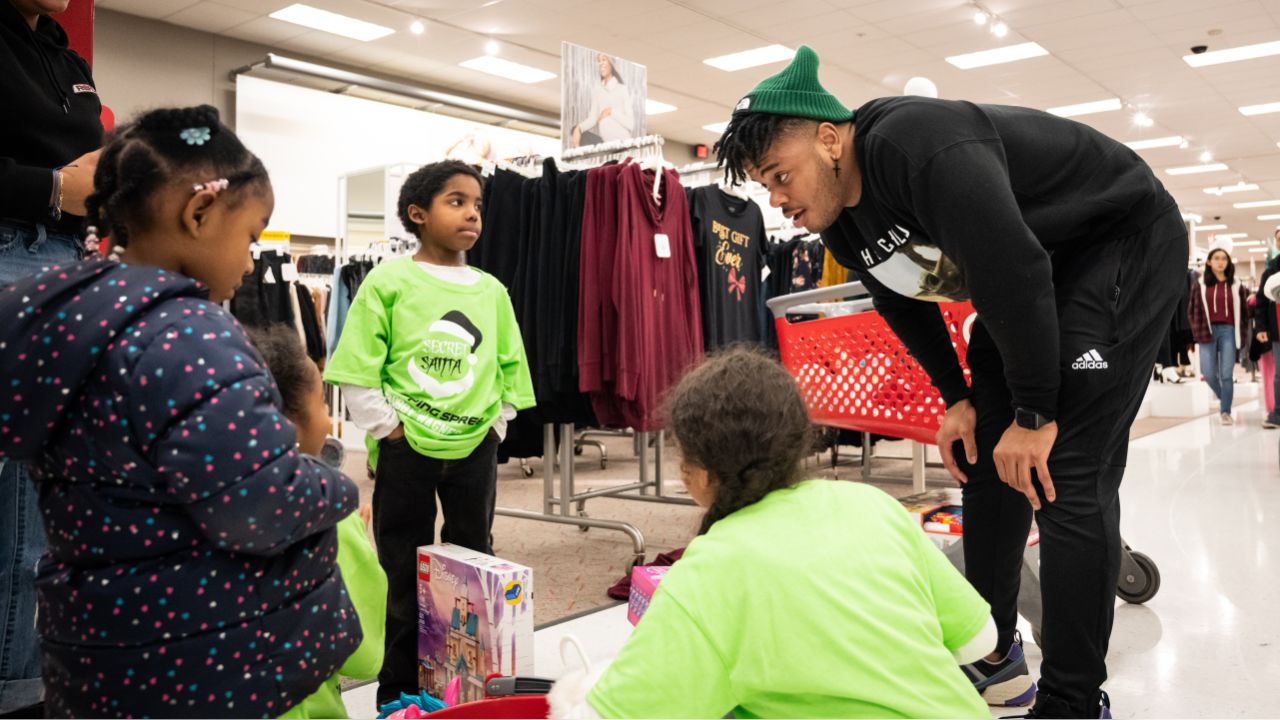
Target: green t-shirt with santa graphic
[(445, 356)]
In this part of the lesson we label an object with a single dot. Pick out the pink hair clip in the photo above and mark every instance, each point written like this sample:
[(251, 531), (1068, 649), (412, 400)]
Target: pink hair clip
[(213, 186)]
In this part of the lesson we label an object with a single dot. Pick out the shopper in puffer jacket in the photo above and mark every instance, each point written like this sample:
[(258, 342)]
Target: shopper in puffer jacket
[(191, 562)]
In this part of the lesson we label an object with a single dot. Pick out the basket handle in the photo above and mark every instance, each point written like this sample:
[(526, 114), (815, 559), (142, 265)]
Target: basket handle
[(571, 640), (783, 304)]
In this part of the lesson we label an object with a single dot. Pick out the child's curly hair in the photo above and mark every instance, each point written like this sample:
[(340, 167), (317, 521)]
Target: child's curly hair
[(739, 416)]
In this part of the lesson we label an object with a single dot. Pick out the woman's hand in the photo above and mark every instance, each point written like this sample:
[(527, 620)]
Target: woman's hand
[(77, 182), (958, 425), (1262, 337), (607, 112), (577, 137)]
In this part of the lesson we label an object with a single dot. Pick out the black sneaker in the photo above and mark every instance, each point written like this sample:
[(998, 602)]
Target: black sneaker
[(1050, 706), (1007, 683)]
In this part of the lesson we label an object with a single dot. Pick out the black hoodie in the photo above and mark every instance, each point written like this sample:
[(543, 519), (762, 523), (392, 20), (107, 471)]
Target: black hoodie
[(50, 114), (191, 562)]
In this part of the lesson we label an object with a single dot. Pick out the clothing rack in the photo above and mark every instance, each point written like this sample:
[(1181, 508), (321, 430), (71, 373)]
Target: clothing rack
[(613, 147), (529, 169), (557, 507)]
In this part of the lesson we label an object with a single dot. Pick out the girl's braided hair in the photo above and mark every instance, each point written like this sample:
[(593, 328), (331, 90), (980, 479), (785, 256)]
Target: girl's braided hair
[(740, 417), (163, 146)]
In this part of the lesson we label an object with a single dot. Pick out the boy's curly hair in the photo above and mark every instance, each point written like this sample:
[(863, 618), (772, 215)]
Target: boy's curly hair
[(739, 416), (422, 187)]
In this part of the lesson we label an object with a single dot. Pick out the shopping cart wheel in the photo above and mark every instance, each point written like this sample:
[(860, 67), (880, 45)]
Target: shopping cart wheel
[(582, 513), (1139, 580), (528, 471), (604, 463)]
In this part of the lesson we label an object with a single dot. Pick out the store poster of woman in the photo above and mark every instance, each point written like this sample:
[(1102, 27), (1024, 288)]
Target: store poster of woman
[(604, 97)]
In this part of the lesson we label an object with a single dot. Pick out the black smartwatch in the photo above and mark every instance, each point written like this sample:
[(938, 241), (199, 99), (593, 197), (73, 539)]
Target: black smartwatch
[(1029, 419)]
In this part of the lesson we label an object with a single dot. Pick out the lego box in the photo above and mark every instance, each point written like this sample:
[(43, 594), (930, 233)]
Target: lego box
[(475, 619), (939, 514), (644, 581)]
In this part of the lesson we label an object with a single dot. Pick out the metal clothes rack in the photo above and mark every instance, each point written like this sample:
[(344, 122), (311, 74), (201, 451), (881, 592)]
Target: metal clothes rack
[(557, 507), (613, 150)]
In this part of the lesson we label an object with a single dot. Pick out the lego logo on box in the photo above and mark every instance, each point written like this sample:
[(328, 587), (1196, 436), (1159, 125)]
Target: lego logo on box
[(424, 567)]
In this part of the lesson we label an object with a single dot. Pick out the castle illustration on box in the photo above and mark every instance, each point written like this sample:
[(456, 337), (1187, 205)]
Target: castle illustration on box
[(475, 619)]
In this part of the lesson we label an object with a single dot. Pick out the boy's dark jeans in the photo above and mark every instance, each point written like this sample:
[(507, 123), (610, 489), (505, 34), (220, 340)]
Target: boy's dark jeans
[(404, 518)]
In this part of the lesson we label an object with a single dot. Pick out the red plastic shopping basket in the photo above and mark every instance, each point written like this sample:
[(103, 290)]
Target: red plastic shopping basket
[(854, 372), (519, 707)]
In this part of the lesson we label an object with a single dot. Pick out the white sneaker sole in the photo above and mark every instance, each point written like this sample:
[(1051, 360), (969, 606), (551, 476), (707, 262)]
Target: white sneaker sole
[(1014, 692)]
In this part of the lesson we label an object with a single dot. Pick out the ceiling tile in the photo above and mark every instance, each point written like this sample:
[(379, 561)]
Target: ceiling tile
[(147, 8), (211, 17)]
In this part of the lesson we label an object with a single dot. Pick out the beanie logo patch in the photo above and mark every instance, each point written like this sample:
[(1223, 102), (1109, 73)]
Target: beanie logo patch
[(444, 365), (743, 104)]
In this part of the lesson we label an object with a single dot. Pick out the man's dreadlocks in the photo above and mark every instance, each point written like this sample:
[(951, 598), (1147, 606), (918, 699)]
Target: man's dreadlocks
[(749, 136)]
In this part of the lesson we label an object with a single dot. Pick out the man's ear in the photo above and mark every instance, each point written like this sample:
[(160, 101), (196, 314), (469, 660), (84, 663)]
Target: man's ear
[(196, 212), (829, 137)]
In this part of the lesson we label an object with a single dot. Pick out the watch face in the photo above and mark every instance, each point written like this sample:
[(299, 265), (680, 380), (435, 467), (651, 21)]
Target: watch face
[(1027, 419)]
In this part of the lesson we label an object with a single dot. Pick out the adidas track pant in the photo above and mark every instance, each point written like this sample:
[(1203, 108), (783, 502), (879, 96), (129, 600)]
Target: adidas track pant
[(1114, 301)]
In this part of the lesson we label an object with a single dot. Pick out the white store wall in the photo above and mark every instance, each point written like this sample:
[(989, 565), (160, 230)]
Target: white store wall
[(308, 138)]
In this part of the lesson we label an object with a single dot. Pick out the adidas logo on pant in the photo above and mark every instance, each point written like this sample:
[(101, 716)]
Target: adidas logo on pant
[(1090, 361)]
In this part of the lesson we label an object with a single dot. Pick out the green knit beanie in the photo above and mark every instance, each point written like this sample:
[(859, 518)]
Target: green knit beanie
[(796, 92)]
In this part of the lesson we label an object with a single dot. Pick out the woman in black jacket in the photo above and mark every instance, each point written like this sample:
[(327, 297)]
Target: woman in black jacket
[(50, 132)]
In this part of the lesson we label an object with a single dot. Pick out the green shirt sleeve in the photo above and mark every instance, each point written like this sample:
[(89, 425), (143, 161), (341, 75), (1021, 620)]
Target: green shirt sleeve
[(517, 383), (362, 349), (366, 584), (667, 669), (962, 613)]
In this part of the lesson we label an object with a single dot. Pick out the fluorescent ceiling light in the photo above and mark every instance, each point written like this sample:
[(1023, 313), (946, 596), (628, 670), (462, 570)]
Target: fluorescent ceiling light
[(1258, 250), (1238, 187), (1269, 217), (653, 107), (1256, 204), (1231, 236), (1211, 227), (507, 69), (1235, 54), (1248, 243), (717, 128), (1155, 143), (1263, 109), (751, 58), (1009, 53), (1086, 108), (331, 22), (1193, 169), (1191, 216)]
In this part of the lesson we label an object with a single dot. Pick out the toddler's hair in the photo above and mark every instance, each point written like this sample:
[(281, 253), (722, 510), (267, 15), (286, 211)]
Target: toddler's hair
[(422, 187), (169, 145), (282, 350), (739, 416)]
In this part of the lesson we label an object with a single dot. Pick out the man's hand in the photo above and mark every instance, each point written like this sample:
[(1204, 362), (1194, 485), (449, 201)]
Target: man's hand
[(1263, 338), (1020, 451), (397, 434), (958, 425)]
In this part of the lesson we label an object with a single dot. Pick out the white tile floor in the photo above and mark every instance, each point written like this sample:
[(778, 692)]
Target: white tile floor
[(1203, 501)]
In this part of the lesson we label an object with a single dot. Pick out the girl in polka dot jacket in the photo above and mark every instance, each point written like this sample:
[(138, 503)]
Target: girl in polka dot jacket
[(191, 562)]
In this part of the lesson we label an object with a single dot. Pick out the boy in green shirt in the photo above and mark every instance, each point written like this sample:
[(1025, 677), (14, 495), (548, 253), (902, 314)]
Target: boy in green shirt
[(799, 599), (432, 366)]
